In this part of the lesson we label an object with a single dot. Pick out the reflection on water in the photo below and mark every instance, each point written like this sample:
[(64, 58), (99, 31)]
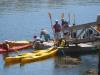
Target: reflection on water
[(25, 18), (5, 55), (74, 66), (8, 65), (67, 61), (35, 5), (54, 66)]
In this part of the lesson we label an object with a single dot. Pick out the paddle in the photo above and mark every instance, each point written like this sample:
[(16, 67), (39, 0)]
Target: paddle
[(74, 19), (49, 14), (74, 30), (69, 18), (62, 15), (62, 19), (50, 18)]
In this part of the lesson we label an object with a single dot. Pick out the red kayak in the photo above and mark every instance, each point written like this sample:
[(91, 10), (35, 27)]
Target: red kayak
[(14, 48)]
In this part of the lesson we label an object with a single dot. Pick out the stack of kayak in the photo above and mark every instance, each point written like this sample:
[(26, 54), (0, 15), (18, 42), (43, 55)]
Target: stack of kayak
[(15, 45), (32, 57)]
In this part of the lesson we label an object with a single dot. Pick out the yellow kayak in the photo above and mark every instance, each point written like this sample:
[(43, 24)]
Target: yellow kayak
[(39, 56), (17, 59), (35, 54)]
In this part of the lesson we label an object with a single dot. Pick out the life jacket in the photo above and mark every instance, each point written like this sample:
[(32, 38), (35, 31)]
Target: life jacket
[(62, 43)]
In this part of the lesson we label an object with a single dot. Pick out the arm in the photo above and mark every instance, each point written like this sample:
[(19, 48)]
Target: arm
[(8, 46), (41, 34)]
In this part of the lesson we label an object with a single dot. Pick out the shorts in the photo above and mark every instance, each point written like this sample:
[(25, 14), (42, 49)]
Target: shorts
[(65, 33), (57, 36)]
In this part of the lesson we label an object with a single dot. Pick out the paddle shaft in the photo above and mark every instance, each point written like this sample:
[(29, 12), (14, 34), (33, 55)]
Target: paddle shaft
[(69, 18), (74, 20), (51, 21)]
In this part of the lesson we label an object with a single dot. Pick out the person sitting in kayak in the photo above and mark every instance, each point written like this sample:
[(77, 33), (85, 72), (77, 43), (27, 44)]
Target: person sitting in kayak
[(44, 33), (6, 45), (38, 43), (35, 38)]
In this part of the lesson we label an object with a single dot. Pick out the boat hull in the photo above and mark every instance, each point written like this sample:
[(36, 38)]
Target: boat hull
[(32, 57)]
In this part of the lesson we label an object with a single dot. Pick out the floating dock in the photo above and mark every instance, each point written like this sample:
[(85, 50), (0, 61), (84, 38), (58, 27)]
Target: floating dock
[(76, 50)]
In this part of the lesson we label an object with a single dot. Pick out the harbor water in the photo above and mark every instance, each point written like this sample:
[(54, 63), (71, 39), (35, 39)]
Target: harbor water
[(22, 19)]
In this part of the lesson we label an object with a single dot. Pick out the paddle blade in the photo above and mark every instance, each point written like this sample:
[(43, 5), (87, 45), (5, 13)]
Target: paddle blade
[(62, 15), (49, 14)]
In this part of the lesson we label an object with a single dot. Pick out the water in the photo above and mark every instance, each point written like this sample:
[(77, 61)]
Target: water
[(21, 19)]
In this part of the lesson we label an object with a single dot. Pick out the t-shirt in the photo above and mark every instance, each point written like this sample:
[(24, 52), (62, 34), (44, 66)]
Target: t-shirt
[(57, 27)]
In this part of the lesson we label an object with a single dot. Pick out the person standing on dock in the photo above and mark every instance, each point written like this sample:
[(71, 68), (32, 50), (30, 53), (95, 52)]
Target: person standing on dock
[(62, 21), (57, 34), (66, 33)]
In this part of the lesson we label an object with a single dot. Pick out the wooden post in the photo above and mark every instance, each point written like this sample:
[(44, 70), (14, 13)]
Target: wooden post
[(98, 19), (99, 63), (98, 22), (98, 29)]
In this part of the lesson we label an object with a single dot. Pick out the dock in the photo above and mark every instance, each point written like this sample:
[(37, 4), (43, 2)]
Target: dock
[(84, 33), (76, 51)]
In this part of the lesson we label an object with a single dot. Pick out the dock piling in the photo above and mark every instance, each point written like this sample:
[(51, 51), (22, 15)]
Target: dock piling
[(99, 63)]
